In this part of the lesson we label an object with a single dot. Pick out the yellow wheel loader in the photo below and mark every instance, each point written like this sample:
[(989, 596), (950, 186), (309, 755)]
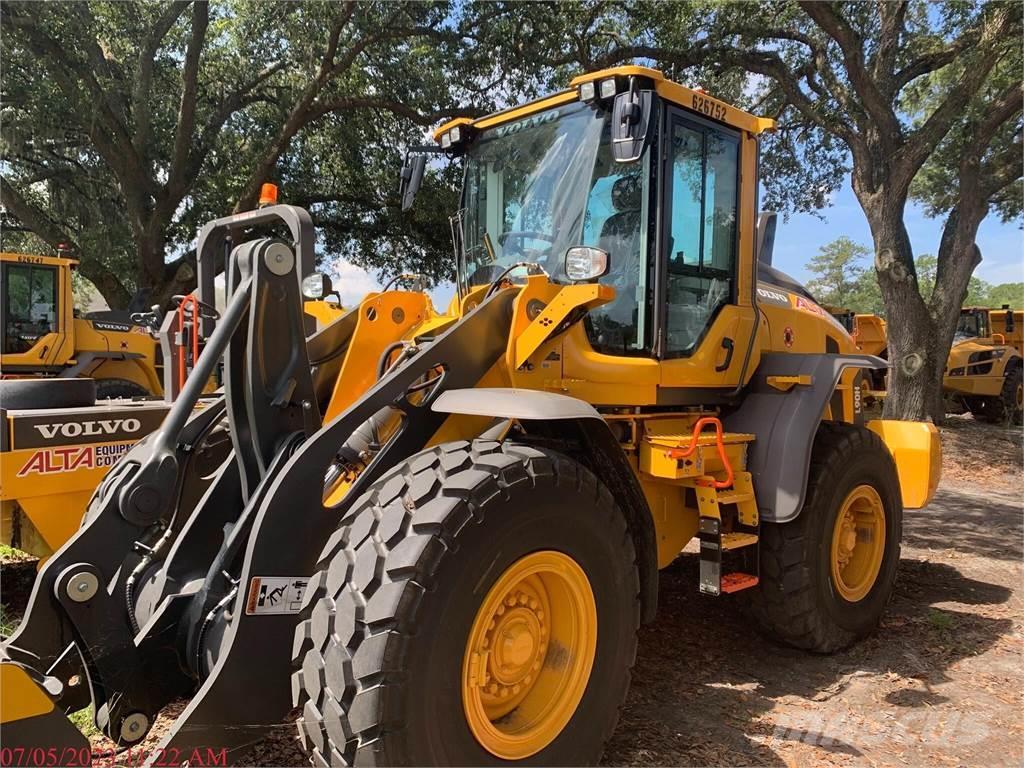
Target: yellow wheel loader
[(44, 337), (433, 535), (984, 372)]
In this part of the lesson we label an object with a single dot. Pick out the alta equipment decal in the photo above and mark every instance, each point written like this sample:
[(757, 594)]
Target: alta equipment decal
[(55, 460)]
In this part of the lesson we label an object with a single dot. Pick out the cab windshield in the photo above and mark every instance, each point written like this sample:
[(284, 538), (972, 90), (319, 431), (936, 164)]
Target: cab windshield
[(535, 187), (971, 325)]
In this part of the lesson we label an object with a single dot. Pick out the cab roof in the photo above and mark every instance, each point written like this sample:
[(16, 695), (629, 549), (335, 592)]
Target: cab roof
[(695, 100), (34, 258)]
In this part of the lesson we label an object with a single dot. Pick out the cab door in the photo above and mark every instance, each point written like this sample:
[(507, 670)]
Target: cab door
[(31, 315), (705, 311)]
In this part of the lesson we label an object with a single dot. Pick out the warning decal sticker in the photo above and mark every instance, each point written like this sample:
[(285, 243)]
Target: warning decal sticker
[(275, 594)]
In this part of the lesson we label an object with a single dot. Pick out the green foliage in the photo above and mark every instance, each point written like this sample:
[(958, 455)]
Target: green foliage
[(128, 125), (839, 271), (1006, 293), (843, 278)]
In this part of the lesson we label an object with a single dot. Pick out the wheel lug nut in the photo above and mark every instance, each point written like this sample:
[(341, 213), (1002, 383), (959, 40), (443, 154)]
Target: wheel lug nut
[(515, 689)]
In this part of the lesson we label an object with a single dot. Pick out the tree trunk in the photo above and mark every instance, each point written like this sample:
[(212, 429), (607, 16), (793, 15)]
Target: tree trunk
[(918, 361)]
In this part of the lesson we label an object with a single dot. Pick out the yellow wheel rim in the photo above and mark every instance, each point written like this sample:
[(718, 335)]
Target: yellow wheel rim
[(858, 543), (529, 655)]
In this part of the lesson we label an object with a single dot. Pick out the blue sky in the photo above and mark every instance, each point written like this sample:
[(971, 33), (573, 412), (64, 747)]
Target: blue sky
[(796, 241)]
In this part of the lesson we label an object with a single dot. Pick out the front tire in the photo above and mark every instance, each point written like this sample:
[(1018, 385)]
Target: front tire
[(827, 575), (113, 389), (478, 606)]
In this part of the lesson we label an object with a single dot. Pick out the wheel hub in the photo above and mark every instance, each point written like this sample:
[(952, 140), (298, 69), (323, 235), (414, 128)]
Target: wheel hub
[(858, 543), (518, 695)]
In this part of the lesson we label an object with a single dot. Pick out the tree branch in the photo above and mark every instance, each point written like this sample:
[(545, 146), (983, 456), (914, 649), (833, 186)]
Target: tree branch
[(141, 112), (177, 182), (875, 104)]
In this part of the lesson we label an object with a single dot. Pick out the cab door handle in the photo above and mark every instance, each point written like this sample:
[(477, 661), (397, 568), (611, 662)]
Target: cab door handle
[(728, 346)]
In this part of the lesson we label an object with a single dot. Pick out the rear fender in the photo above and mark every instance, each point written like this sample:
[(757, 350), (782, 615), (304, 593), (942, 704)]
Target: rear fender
[(785, 421)]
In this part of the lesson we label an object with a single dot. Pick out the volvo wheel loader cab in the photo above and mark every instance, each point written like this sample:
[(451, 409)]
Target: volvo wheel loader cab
[(435, 534), (984, 370), (44, 337)]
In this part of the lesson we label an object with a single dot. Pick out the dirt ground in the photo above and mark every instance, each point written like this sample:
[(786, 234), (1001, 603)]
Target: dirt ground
[(940, 683)]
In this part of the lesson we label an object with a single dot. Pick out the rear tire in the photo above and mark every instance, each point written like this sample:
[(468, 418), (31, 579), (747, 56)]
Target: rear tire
[(108, 389), (401, 586), (803, 598), (1008, 406), (34, 394)]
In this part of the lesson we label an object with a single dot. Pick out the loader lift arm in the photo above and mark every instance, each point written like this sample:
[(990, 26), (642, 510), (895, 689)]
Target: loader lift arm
[(184, 620)]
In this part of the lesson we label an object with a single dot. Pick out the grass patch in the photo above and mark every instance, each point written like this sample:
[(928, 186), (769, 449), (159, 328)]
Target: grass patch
[(8, 622), (83, 720), (941, 619), (9, 554)]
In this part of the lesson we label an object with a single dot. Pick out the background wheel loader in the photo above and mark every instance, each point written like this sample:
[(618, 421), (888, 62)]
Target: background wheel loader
[(43, 336), (434, 535), (985, 370)]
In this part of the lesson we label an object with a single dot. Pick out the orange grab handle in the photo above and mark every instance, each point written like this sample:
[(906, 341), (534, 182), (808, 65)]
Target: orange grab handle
[(698, 427), (188, 303)]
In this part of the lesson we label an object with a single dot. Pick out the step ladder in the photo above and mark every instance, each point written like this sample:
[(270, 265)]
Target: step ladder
[(738, 547)]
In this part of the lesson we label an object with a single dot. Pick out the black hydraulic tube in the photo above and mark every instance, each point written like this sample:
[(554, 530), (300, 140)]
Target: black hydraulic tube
[(212, 352)]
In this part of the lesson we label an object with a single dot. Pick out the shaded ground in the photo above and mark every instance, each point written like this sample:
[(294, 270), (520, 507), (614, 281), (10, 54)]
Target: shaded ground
[(940, 684), (978, 455)]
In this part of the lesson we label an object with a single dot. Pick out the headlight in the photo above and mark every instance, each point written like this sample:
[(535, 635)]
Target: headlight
[(583, 263)]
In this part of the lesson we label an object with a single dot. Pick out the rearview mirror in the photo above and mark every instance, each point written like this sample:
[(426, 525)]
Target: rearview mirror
[(1009, 318), (412, 177), (316, 286), (631, 117)]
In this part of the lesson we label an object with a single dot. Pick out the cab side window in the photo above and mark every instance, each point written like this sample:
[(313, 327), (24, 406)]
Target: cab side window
[(703, 188), (30, 305)]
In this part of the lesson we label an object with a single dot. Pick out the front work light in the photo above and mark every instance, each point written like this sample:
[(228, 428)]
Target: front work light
[(608, 88), (584, 263), (446, 139), (455, 135), (587, 91)]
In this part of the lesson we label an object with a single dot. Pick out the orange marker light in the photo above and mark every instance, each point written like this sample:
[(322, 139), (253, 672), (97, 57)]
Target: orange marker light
[(268, 194)]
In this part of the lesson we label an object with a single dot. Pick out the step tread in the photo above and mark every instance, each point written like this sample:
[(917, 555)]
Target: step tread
[(738, 539), (734, 497), (734, 582)]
